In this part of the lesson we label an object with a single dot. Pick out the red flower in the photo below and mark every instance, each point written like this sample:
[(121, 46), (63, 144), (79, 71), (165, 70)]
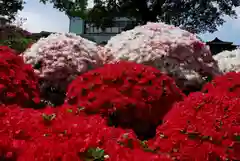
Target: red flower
[(198, 45), (6, 49), (69, 135), (127, 94), (202, 127), (18, 83), (227, 84)]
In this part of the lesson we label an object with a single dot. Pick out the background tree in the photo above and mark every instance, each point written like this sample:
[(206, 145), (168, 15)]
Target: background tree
[(196, 16), (9, 9), (70, 7)]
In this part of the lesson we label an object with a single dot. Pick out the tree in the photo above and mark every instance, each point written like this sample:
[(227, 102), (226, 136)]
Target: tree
[(70, 7), (197, 16), (9, 9)]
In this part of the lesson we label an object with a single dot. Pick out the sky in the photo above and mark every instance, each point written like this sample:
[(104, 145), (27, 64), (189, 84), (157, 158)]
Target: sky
[(40, 17)]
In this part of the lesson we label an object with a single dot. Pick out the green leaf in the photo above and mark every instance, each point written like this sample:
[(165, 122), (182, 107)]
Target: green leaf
[(206, 138), (80, 108), (237, 137), (69, 110), (97, 154), (48, 117), (183, 131), (144, 144), (200, 105), (125, 136), (162, 136), (193, 135), (38, 65)]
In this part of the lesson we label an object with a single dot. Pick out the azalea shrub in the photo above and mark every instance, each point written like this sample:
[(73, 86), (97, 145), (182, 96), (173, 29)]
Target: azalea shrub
[(58, 59), (228, 61), (65, 134), (5, 50), (18, 82), (228, 84), (203, 127), (128, 94), (174, 51)]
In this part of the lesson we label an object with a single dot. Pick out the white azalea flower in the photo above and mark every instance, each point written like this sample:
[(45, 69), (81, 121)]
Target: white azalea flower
[(171, 49)]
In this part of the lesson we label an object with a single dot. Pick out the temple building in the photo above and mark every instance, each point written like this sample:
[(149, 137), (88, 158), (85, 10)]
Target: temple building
[(217, 46)]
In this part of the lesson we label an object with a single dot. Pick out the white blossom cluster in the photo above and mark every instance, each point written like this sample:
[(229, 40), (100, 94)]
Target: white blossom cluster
[(60, 57), (228, 61), (171, 49)]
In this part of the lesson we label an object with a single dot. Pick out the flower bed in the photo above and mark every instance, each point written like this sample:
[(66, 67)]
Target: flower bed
[(64, 134), (118, 110)]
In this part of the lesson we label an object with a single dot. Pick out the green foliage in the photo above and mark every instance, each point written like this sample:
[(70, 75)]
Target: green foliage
[(12, 32), (70, 7), (96, 154), (19, 45), (197, 16), (9, 8), (15, 37)]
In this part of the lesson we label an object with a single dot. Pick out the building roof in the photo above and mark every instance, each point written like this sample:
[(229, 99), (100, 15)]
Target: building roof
[(218, 41)]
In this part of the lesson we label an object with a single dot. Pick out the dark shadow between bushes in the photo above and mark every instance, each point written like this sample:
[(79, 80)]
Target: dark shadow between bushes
[(53, 96), (191, 89), (143, 130), (50, 95)]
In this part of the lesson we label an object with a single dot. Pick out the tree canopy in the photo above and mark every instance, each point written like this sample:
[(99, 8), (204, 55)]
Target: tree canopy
[(197, 16), (70, 7), (9, 9)]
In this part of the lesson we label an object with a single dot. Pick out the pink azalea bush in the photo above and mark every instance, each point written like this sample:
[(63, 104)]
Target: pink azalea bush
[(59, 58), (172, 50)]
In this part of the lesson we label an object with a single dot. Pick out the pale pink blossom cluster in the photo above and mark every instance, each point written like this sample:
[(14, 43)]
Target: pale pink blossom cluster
[(174, 51), (60, 57), (228, 61)]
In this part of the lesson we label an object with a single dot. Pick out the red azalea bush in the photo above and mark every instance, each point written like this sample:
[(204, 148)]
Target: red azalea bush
[(6, 50), (67, 135), (18, 83), (204, 127), (127, 94), (229, 84)]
